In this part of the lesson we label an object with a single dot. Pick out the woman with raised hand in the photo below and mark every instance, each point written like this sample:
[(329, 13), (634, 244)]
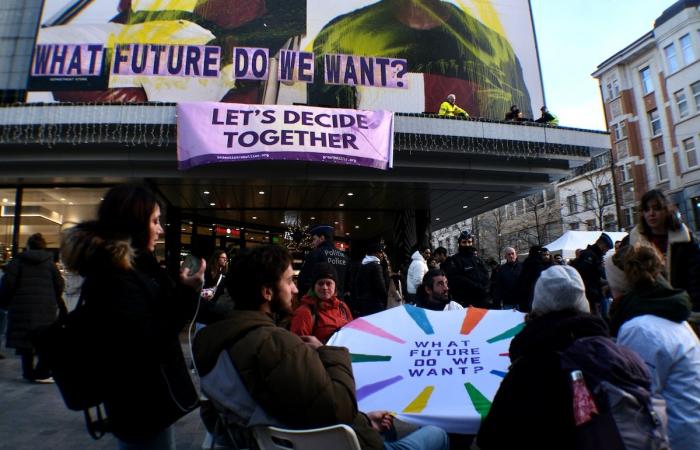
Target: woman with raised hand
[(138, 312)]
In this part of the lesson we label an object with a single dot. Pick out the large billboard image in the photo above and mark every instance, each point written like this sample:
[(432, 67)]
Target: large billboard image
[(400, 55)]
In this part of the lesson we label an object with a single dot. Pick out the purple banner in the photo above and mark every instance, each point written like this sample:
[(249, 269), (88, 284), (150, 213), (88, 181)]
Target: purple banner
[(67, 60), (209, 132), (365, 71), (251, 63), (166, 60)]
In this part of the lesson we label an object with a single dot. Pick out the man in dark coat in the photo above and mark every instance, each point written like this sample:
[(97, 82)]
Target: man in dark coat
[(467, 274), (31, 291), (504, 281), (536, 261), (324, 251), (590, 265), (371, 283)]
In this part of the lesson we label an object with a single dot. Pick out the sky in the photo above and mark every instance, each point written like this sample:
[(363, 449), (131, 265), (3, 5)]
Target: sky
[(574, 37)]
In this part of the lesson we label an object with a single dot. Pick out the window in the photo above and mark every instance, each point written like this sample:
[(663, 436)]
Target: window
[(622, 150), (670, 51), (628, 193), (574, 226), (606, 196), (682, 103), (571, 201), (590, 224), (613, 89), (616, 108), (687, 49), (609, 222), (623, 130), (661, 167), (647, 84), (628, 217), (588, 199), (695, 87), (691, 155), (615, 131), (626, 172), (655, 122)]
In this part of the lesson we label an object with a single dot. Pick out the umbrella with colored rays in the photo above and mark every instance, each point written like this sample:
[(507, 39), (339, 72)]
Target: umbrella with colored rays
[(438, 368)]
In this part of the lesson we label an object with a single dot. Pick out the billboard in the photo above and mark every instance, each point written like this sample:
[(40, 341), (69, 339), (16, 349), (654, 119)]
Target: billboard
[(404, 56)]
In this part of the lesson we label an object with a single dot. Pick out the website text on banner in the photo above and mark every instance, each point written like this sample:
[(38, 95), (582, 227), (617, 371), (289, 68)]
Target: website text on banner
[(210, 132), (438, 368)]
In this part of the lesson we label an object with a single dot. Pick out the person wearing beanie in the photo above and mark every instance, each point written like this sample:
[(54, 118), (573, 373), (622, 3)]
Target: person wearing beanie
[(536, 391), (589, 264), (650, 317), (321, 312), (371, 289), (467, 273)]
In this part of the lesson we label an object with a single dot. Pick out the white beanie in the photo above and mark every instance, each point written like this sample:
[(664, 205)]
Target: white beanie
[(559, 288), (615, 276)]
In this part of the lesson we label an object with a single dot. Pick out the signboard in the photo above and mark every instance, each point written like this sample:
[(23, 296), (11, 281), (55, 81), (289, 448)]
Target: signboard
[(438, 368), (209, 132), (363, 54)]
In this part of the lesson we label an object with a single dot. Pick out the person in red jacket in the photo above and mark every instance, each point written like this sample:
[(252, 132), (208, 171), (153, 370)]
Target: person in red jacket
[(321, 312)]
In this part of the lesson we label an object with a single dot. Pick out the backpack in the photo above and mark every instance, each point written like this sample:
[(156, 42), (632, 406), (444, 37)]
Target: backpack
[(628, 418)]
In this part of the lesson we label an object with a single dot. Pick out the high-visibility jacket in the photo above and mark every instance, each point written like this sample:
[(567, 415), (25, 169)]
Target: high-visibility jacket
[(449, 110)]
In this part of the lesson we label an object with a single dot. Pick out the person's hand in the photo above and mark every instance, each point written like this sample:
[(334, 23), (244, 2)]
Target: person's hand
[(312, 341), (193, 280), (381, 420)]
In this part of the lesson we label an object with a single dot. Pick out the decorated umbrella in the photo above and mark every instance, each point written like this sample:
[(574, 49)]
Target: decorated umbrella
[(438, 368)]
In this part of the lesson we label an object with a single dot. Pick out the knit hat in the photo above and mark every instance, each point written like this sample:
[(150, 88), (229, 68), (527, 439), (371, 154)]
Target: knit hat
[(323, 270), (559, 288), (607, 239), (465, 236), (615, 276)]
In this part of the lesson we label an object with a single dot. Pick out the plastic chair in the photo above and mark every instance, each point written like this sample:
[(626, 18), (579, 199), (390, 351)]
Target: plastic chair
[(336, 437)]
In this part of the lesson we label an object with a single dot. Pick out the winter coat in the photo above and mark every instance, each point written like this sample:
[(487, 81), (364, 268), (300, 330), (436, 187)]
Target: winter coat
[(682, 257), (468, 277), (319, 318), (504, 282), (416, 270), (325, 252), (294, 384), (31, 291), (590, 266), (653, 323), (371, 287), (532, 408), (138, 312), (533, 266)]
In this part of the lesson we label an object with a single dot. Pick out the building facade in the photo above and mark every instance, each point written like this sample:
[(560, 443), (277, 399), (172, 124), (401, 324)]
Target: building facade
[(651, 92)]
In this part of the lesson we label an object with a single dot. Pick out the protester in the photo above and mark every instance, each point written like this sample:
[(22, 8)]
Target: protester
[(513, 114), (504, 281), (371, 289), (31, 292), (416, 271), (661, 225), (138, 313), (649, 316), (547, 117), (435, 293), (589, 264), (533, 407), (534, 264), (321, 313), (448, 108), (263, 374), (216, 301), (467, 273), (440, 255)]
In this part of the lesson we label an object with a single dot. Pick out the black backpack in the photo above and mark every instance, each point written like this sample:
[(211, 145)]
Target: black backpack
[(628, 417)]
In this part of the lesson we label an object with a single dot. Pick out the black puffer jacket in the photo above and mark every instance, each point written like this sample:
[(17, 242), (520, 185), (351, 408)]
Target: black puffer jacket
[(138, 313), (31, 290), (468, 277)]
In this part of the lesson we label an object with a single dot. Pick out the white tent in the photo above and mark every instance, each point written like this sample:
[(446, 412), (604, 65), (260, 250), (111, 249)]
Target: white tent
[(570, 241)]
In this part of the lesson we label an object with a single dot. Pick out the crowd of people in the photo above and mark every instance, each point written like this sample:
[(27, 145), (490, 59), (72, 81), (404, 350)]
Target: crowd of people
[(260, 345), (450, 109)]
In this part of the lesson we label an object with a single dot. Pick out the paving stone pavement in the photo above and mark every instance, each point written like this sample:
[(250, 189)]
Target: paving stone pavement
[(33, 416)]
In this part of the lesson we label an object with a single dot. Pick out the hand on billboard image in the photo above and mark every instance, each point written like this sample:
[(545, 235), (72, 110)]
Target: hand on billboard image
[(448, 51), (272, 24)]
